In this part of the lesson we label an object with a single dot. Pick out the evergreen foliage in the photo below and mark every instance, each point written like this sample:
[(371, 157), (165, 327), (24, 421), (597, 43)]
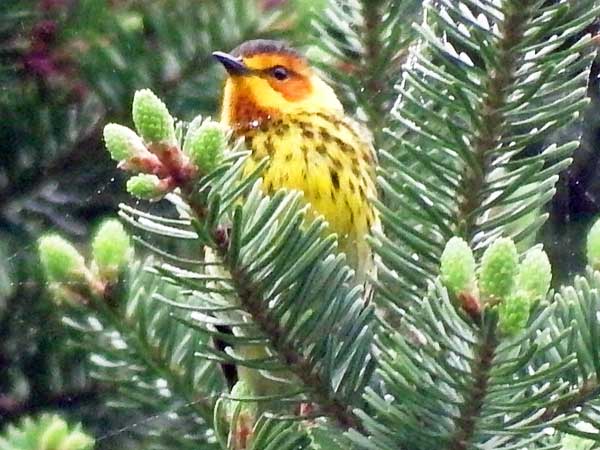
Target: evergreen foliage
[(146, 361), (464, 347), (363, 46), (483, 88), (48, 432)]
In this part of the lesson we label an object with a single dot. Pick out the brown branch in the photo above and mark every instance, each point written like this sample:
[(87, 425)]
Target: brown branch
[(489, 136), (305, 370), (472, 406), (374, 84), (252, 303), (490, 131), (378, 81)]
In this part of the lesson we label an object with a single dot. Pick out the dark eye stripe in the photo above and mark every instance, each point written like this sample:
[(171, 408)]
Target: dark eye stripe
[(270, 72), (279, 72)]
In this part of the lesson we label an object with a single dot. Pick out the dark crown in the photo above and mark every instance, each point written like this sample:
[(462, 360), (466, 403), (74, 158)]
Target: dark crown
[(259, 46)]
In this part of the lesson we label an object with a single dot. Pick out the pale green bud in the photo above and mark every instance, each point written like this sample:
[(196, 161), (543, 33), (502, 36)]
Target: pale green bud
[(205, 143), (111, 248), (593, 245), (152, 119), (499, 267), (77, 440), (46, 432), (535, 275), (54, 433), (146, 187), (457, 266), (513, 313), (60, 259), (122, 142)]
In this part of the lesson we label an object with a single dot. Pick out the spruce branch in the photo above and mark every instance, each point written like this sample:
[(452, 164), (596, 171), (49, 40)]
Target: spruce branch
[(472, 407), (497, 375), (152, 355), (577, 307), (114, 317), (483, 86), (144, 350), (269, 274), (371, 69), (368, 40), (251, 300), (289, 355), (589, 390), (491, 119)]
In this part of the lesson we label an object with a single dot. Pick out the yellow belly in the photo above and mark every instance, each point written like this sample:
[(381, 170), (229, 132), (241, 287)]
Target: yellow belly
[(326, 159)]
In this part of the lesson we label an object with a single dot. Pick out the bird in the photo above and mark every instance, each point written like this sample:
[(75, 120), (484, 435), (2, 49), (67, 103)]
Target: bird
[(285, 111)]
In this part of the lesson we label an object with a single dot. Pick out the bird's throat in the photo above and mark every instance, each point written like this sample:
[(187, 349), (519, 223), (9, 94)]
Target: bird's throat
[(242, 112)]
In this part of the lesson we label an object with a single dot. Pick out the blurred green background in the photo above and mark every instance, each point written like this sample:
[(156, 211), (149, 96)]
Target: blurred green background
[(68, 67)]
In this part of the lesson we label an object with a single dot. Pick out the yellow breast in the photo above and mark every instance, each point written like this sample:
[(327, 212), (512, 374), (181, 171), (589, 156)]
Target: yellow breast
[(329, 161)]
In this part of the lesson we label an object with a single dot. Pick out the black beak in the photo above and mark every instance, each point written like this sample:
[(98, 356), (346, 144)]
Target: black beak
[(233, 65)]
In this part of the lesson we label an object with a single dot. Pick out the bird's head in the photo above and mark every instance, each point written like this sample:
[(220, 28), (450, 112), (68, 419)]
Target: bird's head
[(267, 79)]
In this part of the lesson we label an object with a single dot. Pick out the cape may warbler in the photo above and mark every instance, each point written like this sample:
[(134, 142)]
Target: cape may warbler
[(285, 111)]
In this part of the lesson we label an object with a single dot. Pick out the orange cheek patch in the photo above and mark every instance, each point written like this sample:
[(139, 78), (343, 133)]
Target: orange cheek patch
[(294, 89)]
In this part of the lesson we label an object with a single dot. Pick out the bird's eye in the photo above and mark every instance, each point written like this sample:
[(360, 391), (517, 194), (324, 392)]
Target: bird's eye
[(279, 72)]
